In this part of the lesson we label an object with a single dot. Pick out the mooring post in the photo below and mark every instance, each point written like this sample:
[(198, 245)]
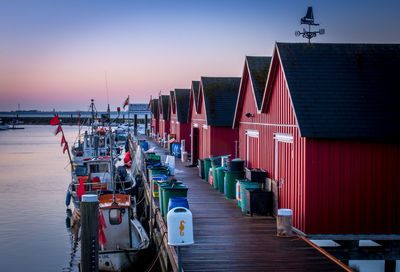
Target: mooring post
[(135, 125), (90, 233), (145, 125)]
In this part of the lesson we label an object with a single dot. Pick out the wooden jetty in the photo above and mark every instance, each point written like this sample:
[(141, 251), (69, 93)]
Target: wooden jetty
[(226, 240)]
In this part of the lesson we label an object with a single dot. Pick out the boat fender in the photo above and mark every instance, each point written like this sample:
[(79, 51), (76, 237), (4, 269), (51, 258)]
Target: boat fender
[(68, 198)]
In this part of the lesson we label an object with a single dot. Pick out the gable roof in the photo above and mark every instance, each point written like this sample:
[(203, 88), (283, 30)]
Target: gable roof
[(258, 72), (196, 87), (182, 99), (171, 102), (164, 101), (220, 96), (341, 90), (154, 108)]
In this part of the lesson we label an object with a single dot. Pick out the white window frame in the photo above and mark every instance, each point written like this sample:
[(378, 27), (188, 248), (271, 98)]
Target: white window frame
[(253, 134)]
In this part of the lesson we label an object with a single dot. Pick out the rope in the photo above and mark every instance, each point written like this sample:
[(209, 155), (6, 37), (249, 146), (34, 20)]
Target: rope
[(158, 255)]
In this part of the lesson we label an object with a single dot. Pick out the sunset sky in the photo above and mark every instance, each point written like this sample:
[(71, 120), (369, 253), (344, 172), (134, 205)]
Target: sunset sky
[(55, 54)]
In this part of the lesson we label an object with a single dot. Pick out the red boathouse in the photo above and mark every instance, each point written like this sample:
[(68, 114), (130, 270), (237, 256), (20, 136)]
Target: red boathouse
[(178, 112), (211, 119), (328, 132), (163, 116), (154, 126)]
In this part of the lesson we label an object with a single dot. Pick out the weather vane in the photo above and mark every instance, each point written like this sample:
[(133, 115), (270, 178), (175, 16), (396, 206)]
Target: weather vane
[(309, 20)]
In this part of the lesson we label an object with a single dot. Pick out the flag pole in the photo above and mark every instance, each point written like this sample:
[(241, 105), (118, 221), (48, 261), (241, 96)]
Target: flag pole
[(69, 153)]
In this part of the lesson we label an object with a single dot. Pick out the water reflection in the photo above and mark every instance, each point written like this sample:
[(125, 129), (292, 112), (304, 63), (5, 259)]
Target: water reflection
[(73, 230), (33, 183)]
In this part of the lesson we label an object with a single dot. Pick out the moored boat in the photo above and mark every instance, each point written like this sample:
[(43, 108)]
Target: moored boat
[(3, 126), (124, 236)]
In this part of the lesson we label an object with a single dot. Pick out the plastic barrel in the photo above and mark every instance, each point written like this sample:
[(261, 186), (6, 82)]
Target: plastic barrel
[(158, 170), (230, 183), (215, 177), (178, 202), (176, 149), (246, 184), (201, 168), (173, 191), (220, 178), (162, 193), (145, 146), (215, 161), (238, 192), (236, 165), (207, 166)]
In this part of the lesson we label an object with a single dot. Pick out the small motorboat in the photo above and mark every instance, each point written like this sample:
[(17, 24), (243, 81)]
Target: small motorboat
[(124, 237), (3, 126)]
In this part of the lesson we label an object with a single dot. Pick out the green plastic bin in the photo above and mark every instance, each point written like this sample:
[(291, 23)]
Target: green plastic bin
[(207, 166), (246, 184), (172, 191), (158, 170), (216, 161), (230, 183), (161, 193), (220, 178), (215, 177)]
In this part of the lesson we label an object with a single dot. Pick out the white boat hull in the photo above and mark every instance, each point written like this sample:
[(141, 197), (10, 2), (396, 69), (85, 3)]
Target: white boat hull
[(4, 127)]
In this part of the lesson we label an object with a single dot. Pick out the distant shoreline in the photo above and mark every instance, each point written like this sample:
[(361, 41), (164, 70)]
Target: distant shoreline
[(65, 120)]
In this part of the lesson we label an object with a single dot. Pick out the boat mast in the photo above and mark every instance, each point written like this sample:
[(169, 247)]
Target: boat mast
[(111, 153), (92, 133), (92, 108)]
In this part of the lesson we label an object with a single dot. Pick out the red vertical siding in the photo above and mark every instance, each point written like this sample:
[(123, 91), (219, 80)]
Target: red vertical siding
[(279, 119), (332, 186), (183, 130), (155, 124), (253, 152), (222, 141), (352, 187), (196, 119)]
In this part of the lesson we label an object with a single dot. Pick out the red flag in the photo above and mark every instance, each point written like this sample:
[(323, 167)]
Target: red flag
[(126, 102), (79, 122), (102, 224), (55, 120), (81, 188), (65, 148), (58, 130), (63, 141)]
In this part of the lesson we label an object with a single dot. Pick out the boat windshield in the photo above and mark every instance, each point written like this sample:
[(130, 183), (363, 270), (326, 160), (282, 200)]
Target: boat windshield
[(98, 168)]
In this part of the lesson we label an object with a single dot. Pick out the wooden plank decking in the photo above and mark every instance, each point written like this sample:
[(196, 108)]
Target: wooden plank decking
[(226, 240)]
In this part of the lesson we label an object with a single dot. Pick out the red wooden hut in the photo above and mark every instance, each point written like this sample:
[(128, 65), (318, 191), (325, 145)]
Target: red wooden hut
[(178, 110), (249, 102), (211, 121), (328, 132), (154, 126), (163, 114)]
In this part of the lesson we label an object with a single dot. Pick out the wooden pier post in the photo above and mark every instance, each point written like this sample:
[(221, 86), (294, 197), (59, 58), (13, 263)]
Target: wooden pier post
[(135, 125), (90, 233), (145, 125)]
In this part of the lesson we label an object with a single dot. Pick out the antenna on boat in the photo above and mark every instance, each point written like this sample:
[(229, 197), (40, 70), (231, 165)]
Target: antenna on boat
[(111, 154)]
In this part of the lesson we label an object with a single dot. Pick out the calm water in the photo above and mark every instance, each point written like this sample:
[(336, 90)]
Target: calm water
[(34, 175)]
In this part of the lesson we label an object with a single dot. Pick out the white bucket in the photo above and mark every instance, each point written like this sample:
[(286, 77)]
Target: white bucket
[(170, 161), (184, 156), (284, 222)]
